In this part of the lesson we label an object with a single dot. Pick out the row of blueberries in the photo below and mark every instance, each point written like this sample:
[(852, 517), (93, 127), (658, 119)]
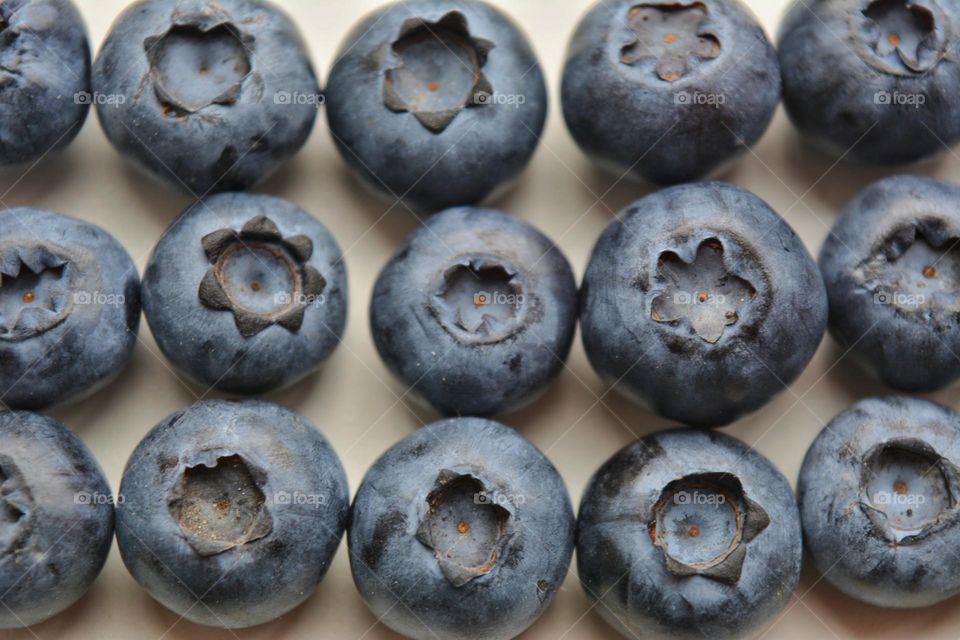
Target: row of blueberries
[(698, 291), (229, 514), (699, 299), (438, 103)]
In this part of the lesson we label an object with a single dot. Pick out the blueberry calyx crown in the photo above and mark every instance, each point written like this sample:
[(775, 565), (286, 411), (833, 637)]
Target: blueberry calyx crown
[(908, 490), (203, 59), (218, 503), (16, 503), (900, 37), (36, 292), (260, 276), (703, 523), (466, 526), (480, 299), (438, 71), (915, 270), (672, 36), (701, 294)]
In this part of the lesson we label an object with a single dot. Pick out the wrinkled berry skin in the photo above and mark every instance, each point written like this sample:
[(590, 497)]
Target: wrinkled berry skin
[(892, 271), (620, 564), (848, 91), (69, 308), (56, 526), (401, 578), (498, 367), (297, 320), (44, 78), (703, 350), (484, 147), (845, 527), (258, 449), (631, 120), (207, 96)]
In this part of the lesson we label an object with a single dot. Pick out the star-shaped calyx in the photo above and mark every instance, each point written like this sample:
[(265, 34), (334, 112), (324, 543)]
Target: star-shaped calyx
[(438, 71), (908, 490), (672, 36), (203, 59), (465, 526), (260, 276), (703, 524), (35, 290), (901, 35), (702, 294)]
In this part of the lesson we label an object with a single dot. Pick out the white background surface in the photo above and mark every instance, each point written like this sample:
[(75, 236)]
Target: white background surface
[(363, 411)]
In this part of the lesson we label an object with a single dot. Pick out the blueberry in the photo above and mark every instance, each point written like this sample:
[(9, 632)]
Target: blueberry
[(702, 303), (892, 269), (69, 308), (246, 293), (878, 495), (873, 80), (669, 92), (56, 519), (44, 78), (475, 312), (230, 513), (461, 530), (688, 534), (437, 102), (207, 96)]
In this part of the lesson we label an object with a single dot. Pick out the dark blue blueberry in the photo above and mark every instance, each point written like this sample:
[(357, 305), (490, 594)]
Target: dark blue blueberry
[(56, 519), (230, 513), (69, 308), (246, 293), (669, 92), (439, 102), (892, 269), (461, 530), (878, 493), (702, 303), (873, 80), (688, 534), (206, 95), (44, 78), (476, 312)]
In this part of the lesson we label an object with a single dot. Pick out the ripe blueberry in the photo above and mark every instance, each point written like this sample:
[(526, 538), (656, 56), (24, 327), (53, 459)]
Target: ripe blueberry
[(688, 534), (206, 96), (246, 293), (669, 92), (462, 530), (437, 102), (230, 513), (56, 519), (702, 303), (69, 308), (476, 312)]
